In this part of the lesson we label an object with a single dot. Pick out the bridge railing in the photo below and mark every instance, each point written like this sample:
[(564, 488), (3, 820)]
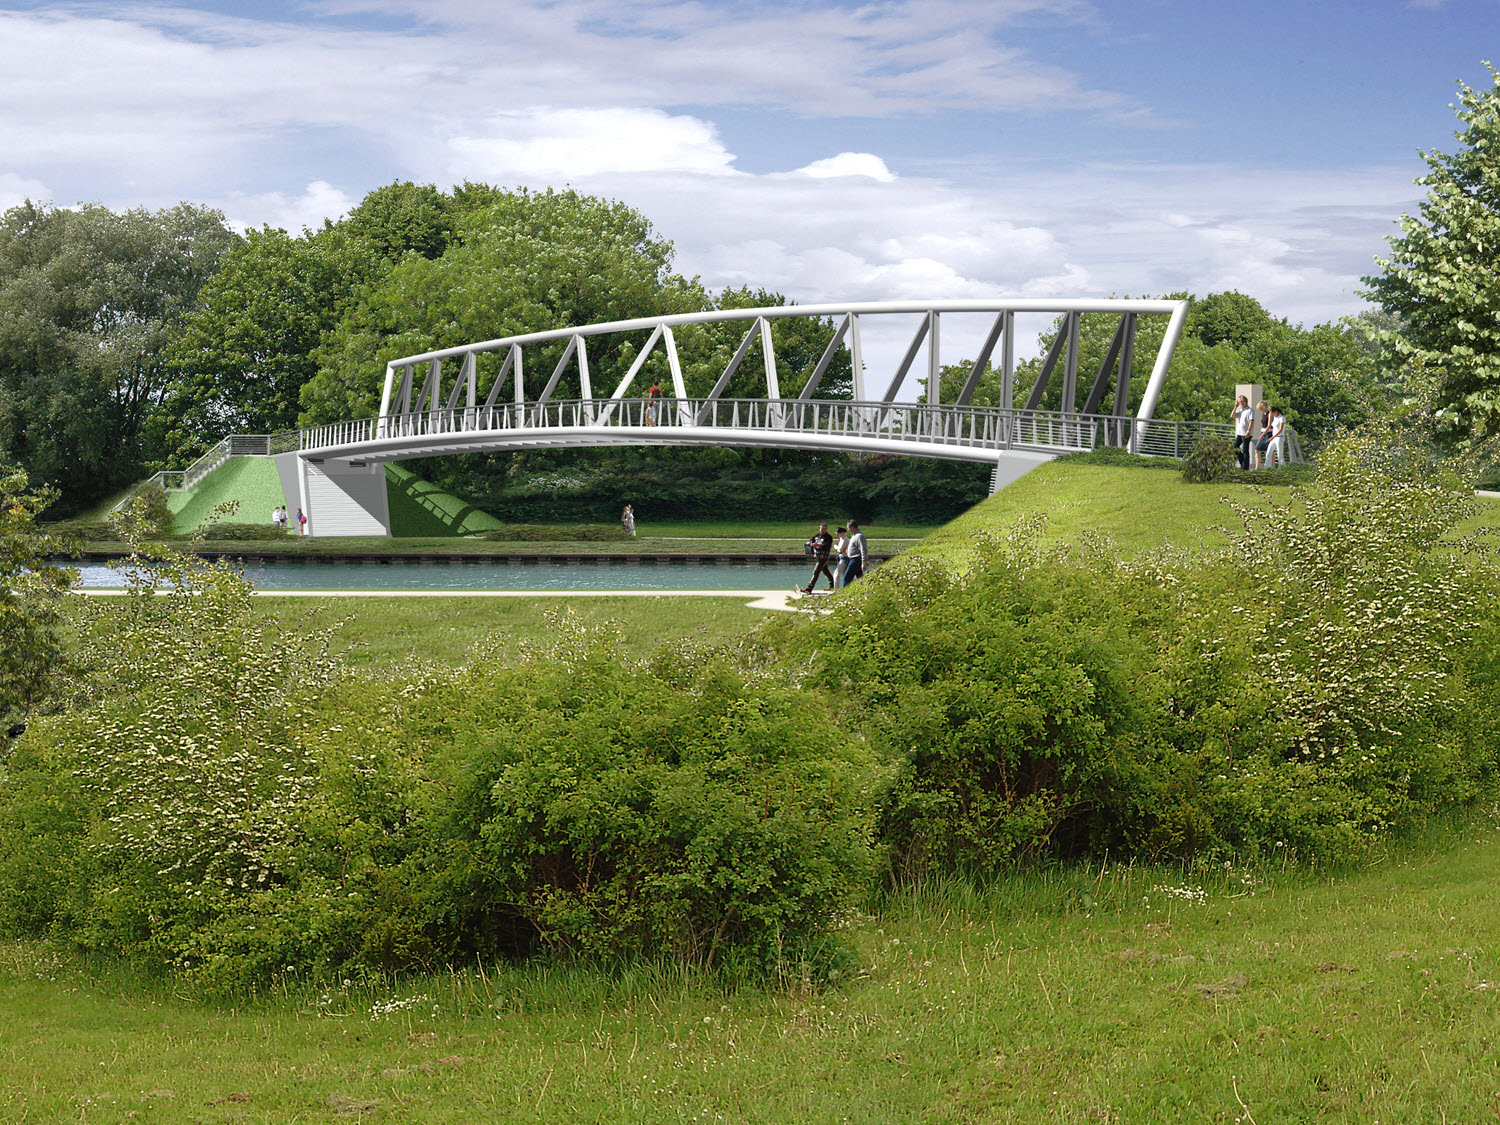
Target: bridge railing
[(989, 428)]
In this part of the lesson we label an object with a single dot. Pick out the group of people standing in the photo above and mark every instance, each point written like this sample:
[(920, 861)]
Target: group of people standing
[(850, 550), (627, 520), (279, 519), (1261, 431)]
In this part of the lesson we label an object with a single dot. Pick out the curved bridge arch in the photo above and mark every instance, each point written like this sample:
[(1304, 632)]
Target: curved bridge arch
[(423, 413)]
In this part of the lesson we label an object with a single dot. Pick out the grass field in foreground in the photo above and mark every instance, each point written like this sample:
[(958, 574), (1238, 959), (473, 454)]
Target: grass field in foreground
[(1111, 994), (379, 631)]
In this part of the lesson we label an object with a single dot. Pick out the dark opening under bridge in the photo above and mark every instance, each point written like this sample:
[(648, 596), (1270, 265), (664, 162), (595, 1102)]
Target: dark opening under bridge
[(335, 470)]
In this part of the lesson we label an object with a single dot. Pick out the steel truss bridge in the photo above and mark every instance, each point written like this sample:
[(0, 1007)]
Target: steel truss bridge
[(425, 411)]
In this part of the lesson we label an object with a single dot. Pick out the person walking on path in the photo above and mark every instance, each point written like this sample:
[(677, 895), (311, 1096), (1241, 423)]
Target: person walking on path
[(1244, 418), (858, 553), (1276, 451), (301, 522), (627, 520), (1264, 441), (822, 547), (841, 549)]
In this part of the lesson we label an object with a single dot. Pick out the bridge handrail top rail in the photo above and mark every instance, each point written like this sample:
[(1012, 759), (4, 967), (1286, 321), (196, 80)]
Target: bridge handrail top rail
[(772, 312)]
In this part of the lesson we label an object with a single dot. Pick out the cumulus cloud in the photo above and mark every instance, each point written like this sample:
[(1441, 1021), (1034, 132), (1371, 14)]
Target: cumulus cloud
[(865, 164), (288, 124), (560, 144), (294, 214)]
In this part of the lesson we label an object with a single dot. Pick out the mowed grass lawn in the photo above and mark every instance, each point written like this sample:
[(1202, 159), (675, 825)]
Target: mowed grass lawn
[(371, 632), (1110, 994)]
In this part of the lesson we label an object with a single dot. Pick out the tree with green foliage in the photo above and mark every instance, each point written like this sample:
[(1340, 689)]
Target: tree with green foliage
[(31, 589), (403, 218), (246, 351), (525, 262), (1227, 318), (1442, 278), (89, 302)]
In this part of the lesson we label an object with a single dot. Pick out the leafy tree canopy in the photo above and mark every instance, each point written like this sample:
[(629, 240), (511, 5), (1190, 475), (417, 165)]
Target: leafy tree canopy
[(89, 301), (1442, 278)]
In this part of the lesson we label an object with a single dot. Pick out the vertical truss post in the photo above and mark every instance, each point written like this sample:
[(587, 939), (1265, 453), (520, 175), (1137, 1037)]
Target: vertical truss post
[(768, 351), (403, 396), (934, 362), (1070, 370), (674, 365), (1122, 380), (856, 358), (385, 400), (1159, 372)]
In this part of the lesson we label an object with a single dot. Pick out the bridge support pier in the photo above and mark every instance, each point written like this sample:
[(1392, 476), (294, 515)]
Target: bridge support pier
[(339, 497)]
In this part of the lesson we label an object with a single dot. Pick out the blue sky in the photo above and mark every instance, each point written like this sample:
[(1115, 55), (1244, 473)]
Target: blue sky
[(831, 151)]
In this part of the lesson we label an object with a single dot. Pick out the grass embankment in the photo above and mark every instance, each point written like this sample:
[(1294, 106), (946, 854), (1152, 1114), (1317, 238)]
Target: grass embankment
[(1098, 995), (250, 482), (382, 631), (1140, 510)]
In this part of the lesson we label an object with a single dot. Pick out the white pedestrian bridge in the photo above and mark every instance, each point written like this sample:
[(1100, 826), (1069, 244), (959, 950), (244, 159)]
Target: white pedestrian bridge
[(484, 397)]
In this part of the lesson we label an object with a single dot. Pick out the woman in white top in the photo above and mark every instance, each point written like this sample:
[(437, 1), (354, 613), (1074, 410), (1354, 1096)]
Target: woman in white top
[(841, 549), (1276, 451)]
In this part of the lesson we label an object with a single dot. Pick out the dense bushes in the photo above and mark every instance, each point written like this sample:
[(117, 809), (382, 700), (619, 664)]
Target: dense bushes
[(1210, 460), (1328, 683), (218, 803)]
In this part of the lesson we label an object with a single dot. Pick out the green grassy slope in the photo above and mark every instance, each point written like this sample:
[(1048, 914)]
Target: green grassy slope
[(422, 509), (252, 481), (1141, 510)]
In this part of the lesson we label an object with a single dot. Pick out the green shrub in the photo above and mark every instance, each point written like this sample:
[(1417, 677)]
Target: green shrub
[(1116, 457), (1330, 682), (85, 531), (149, 510), (1210, 460), (556, 533), (216, 802), (232, 532)]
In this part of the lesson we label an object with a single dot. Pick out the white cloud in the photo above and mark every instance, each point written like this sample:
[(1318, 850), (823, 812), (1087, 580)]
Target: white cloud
[(864, 164), (560, 144), (307, 211)]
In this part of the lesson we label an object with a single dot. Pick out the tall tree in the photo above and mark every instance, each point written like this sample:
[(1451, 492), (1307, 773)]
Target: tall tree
[(246, 351), (89, 300), (1442, 278), (527, 262)]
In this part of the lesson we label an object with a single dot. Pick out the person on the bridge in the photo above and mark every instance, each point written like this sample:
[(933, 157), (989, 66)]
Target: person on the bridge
[(653, 404), (859, 553), (822, 547)]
